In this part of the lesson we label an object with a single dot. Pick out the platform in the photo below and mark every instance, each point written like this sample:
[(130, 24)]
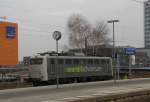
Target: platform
[(67, 93)]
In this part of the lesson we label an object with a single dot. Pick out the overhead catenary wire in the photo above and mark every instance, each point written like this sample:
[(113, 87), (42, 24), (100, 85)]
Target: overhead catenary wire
[(34, 30), (29, 22), (24, 20)]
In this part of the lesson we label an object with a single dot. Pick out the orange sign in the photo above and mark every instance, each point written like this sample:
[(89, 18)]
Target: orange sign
[(8, 43)]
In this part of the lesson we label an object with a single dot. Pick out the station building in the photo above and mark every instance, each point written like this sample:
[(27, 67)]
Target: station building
[(8, 43)]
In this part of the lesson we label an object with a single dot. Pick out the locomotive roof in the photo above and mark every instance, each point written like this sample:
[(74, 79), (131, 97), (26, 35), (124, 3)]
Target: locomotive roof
[(75, 57), (86, 57)]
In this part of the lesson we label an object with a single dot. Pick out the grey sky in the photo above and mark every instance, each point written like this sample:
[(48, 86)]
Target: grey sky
[(37, 20)]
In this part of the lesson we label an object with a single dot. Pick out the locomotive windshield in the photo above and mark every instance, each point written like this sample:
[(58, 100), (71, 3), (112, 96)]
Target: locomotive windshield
[(36, 61)]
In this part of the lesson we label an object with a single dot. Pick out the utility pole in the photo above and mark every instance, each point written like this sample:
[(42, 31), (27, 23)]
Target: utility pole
[(86, 46), (114, 72), (118, 66)]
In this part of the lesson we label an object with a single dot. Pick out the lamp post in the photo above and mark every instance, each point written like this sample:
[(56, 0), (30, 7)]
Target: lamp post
[(113, 22)]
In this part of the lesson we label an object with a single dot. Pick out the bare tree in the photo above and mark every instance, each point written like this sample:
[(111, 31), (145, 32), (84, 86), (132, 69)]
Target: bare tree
[(81, 32), (79, 29), (99, 35)]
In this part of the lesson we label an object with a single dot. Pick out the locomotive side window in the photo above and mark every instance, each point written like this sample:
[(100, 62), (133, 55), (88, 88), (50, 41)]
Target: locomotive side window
[(68, 61), (60, 61), (36, 61), (103, 61), (96, 61), (83, 61), (107, 61), (90, 61), (75, 61)]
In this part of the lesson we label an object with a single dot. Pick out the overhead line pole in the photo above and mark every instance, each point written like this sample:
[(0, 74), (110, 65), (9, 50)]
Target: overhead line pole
[(114, 70)]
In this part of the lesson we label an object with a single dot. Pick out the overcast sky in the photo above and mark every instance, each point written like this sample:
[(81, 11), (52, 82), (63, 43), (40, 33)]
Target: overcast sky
[(37, 19)]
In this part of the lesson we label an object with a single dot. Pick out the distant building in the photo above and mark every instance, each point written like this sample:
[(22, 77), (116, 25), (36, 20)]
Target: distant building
[(8, 43), (143, 56), (147, 23), (97, 50)]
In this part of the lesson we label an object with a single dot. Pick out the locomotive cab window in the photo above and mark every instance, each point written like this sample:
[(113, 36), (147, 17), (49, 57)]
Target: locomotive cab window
[(36, 61), (68, 61)]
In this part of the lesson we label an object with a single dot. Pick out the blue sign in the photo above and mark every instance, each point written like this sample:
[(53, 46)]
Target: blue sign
[(10, 31), (129, 51)]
